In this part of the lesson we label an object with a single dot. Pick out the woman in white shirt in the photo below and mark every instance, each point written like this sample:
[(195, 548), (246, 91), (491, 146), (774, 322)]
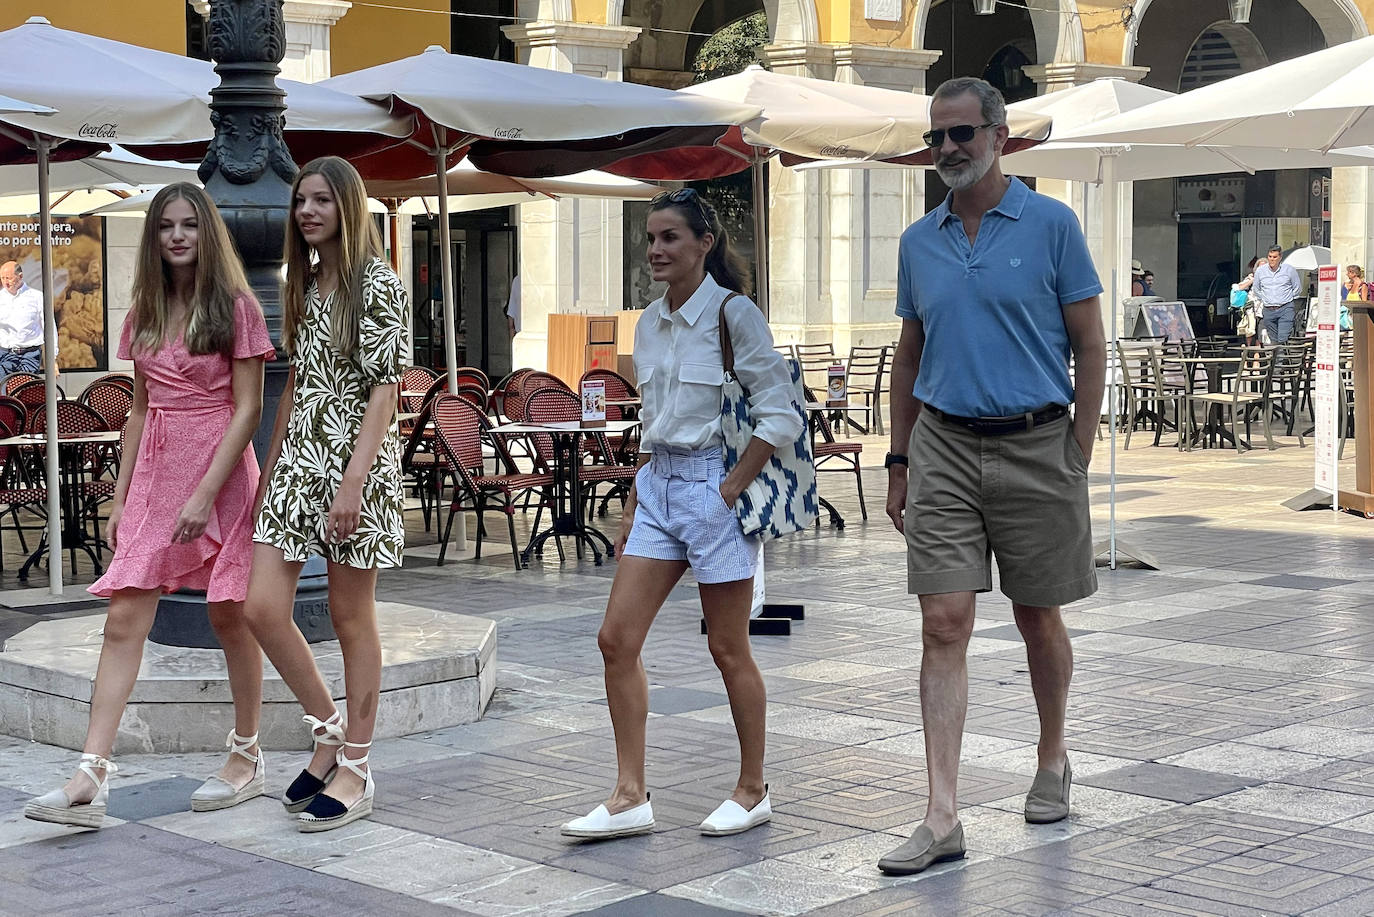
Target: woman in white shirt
[(681, 509)]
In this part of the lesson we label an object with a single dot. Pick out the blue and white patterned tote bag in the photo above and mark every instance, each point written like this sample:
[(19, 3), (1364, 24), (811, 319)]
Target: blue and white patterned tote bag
[(782, 499)]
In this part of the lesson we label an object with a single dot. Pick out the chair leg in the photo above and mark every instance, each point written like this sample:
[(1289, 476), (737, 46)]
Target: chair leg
[(514, 548), (859, 482), (1235, 433), (481, 506), (448, 530)]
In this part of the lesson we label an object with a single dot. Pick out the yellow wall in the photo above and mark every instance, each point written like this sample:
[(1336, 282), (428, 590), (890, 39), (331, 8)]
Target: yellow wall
[(159, 24), (593, 11), (887, 34), (367, 36)]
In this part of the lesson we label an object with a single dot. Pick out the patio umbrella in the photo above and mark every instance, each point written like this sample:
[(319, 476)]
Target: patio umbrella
[(800, 120), (157, 103), (1319, 101), (117, 168), (1308, 257), (458, 101)]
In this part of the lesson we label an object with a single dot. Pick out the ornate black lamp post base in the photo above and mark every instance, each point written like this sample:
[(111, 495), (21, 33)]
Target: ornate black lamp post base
[(248, 172)]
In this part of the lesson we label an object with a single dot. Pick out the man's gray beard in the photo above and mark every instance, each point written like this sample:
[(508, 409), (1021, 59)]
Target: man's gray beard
[(969, 176)]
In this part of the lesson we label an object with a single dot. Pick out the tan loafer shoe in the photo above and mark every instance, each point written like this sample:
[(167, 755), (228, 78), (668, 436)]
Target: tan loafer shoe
[(922, 851), (1048, 799)]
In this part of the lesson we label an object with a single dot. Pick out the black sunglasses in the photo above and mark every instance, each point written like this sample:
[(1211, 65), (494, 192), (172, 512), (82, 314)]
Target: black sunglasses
[(682, 196), (959, 133)]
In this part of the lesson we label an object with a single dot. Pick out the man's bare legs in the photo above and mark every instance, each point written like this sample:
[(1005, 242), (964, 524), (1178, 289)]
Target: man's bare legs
[(946, 625), (1050, 656)]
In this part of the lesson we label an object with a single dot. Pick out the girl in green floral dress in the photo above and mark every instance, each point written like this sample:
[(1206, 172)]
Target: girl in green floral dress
[(335, 482)]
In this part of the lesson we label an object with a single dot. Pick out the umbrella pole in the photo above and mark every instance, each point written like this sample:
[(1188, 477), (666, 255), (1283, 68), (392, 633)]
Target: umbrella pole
[(760, 238), (50, 376), (446, 265)]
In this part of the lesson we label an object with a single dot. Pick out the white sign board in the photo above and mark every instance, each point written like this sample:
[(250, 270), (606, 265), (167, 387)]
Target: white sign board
[(883, 10), (1326, 380), (756, 607)]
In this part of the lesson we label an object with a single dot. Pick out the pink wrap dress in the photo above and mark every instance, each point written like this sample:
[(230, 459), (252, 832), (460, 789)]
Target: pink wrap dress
[(190, 403)]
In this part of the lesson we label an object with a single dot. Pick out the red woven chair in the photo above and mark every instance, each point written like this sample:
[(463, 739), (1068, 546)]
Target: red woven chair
[(74, 418), (33, 395), (111, 400), (416, 379), (13, 414), (14, 380), (618, 388), (552, 405), (471, 375), (459, 426), (496, 404), (15, 494), (124, 379), (840, 456), (423, 467)]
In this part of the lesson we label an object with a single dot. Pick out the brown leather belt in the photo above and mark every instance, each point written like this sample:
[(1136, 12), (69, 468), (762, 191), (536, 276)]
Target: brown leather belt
[(1001, 426)]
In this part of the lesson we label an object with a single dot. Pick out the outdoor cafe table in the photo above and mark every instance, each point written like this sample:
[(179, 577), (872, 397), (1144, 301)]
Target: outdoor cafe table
[(818, 409), (1215, 369), (72, 462), (566, 511)]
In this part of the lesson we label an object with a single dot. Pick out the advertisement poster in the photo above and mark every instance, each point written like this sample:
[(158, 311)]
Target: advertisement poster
[(78, 261), (1326, 379)]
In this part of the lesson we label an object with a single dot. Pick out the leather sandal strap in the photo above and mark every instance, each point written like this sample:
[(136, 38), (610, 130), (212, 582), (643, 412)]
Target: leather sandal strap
[(238, 745), (333, 730)]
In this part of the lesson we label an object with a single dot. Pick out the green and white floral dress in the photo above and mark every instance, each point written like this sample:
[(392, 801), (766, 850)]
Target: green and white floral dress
[(331, 396)]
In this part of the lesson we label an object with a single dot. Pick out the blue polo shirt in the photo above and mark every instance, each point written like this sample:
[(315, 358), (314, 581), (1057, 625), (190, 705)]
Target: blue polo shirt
[(995, 341)]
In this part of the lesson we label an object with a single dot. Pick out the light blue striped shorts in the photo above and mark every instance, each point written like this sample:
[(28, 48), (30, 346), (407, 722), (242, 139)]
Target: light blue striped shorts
[(681, 516)]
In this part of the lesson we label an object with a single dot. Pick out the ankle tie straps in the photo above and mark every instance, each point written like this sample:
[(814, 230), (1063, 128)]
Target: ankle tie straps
[(238, 745), (353, 764), (326, 732)]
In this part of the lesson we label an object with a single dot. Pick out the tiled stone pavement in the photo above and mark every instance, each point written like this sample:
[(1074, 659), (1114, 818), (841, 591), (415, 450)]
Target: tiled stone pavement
[(1221, 729)]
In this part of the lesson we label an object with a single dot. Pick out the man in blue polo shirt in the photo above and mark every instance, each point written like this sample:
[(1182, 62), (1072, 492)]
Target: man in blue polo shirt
[(1276, 286), (996, 290)]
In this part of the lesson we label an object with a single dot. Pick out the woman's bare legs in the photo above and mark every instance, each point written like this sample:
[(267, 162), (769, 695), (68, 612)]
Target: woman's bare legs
[(271, 597), (243, 659), (726, 606), (121, 654), (353, 609)]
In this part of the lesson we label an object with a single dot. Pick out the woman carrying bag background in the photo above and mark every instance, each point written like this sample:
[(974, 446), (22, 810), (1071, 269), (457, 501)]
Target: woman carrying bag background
[(681, 510)]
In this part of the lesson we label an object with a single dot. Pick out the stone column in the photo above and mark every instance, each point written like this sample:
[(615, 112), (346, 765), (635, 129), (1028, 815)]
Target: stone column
[(307, 36), (1352, 216), (1084, 198), (571, 250)]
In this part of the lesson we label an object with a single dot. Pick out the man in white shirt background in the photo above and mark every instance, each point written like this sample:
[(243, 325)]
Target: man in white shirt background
[(21, 322)]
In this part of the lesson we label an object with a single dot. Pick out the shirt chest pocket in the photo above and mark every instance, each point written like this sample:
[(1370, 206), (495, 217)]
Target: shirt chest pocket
[(698, 395)]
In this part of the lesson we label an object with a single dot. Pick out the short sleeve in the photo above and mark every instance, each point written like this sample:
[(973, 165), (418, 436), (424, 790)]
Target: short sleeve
[(906, 294), (250, 330), (382, 330), (1075, 274), (126, 338)]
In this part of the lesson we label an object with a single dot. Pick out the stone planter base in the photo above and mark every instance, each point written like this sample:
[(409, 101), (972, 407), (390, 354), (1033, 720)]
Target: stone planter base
[(438, 670)]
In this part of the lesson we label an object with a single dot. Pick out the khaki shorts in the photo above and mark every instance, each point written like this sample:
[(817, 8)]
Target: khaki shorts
[(1022, 497)]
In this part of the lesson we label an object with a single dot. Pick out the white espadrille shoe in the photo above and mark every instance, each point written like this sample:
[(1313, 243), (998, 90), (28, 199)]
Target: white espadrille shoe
[(56, 807), (218, 793)]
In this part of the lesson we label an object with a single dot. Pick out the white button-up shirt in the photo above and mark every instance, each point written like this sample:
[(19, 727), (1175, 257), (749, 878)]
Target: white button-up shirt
[(21, 318), (680, 370)]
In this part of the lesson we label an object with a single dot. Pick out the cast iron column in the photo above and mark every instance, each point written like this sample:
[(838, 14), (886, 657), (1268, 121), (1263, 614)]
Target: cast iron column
[(248, 172)]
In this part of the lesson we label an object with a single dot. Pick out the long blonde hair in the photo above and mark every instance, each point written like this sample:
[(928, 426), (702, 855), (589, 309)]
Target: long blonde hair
[(359, 244), (219, 279)]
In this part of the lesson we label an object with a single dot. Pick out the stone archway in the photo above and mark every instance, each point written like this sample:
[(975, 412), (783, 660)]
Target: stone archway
[(1339, 21)]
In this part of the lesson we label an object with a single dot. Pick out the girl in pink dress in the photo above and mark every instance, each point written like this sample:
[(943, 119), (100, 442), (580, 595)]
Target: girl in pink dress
[(182, 515)]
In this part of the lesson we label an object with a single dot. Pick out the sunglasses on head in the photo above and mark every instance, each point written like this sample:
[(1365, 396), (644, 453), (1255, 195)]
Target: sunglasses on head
[(959, 133), (681, 196)]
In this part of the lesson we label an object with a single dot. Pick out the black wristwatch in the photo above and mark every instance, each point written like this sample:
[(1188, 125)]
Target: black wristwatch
[(895, 459)]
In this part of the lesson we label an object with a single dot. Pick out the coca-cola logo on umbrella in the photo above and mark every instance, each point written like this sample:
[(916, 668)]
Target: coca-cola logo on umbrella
[(509, 133), (107, 131)]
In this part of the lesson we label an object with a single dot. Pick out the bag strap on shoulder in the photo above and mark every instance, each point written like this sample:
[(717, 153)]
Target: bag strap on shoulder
[(727, 349)]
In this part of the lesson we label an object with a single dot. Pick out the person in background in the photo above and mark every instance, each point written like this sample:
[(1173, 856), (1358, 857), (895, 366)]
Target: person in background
[(21, 322), (513, 307), (182, 513), (1147, 283), (1277, 286), (1355, 286), (1137, 281), (1247, 326)]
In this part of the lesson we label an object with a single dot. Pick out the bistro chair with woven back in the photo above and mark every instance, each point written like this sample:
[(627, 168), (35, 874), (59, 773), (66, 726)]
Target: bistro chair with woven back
[(17, 493), (459, 427), (551, 405), (836, 455)]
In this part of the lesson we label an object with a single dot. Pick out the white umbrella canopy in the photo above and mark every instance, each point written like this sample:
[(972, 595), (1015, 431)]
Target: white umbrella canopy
[(1082, 109), (1320, 101), (466, 179), (1308, 257), (110, 92), (116, 169)]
